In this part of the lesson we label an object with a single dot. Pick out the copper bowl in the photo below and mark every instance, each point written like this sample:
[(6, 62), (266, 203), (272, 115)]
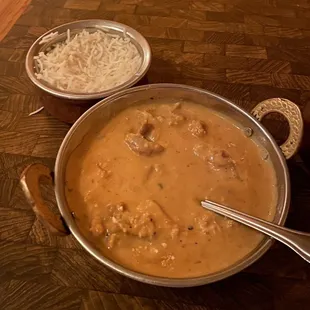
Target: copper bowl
[(103, 111)]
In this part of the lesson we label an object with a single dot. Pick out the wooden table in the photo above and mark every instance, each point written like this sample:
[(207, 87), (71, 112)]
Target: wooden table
[(245, 50)]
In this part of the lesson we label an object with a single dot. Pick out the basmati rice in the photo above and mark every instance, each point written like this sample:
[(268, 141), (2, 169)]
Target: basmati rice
[(48, 38), (36, 111), (89, 62)]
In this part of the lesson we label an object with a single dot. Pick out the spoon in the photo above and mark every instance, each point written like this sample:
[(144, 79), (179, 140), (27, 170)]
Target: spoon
[(298, 241)]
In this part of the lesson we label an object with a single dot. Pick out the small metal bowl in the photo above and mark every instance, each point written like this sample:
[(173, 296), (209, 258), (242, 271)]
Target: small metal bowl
[(91, 25)]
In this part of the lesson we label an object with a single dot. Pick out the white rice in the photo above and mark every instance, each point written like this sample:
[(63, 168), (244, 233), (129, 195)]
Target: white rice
[(49, 37), (88, 62), (36, 111)]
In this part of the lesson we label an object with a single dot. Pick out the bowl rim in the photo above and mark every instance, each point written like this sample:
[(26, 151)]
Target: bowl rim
[(261, 249), (132, 33)]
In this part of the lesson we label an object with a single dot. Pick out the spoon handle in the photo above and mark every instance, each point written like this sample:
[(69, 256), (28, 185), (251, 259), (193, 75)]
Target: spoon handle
[(296, 240)]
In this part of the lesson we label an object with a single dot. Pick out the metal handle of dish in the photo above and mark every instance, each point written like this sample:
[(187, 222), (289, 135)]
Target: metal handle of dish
[(296, 240), (294, 117), (30, 182)]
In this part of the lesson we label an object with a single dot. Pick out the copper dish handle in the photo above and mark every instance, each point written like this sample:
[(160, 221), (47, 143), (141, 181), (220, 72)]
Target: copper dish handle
[(293, 115), (30, 182)]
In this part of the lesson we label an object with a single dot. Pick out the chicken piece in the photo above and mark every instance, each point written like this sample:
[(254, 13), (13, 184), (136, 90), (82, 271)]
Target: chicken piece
[(146, 129), (115, 219), (143, 226), (149, 132), (143, 222), (207, 224), (157, 213), (161, 219), (197, 128), (217, 159), (176, 116), (133, 223), (96, 226), (140, 225), (99, 216), (138, 144), (211, 223), (176, 119)]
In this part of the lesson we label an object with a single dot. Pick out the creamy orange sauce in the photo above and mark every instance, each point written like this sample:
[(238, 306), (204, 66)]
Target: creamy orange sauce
[(135, 187)]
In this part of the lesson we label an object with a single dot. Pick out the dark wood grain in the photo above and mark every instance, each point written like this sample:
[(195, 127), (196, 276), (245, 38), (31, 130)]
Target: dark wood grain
[(22, 261), (92, 276), (246, 51), (31, 295), (100, 300)]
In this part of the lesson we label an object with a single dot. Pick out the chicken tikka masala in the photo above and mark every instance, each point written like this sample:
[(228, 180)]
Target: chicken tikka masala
[(136, 185)]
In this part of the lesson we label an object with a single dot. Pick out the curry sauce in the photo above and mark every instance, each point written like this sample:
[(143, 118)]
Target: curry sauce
[(135, 187)]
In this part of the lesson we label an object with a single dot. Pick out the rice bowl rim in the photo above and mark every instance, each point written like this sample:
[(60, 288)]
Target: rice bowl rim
[(136, 38)]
